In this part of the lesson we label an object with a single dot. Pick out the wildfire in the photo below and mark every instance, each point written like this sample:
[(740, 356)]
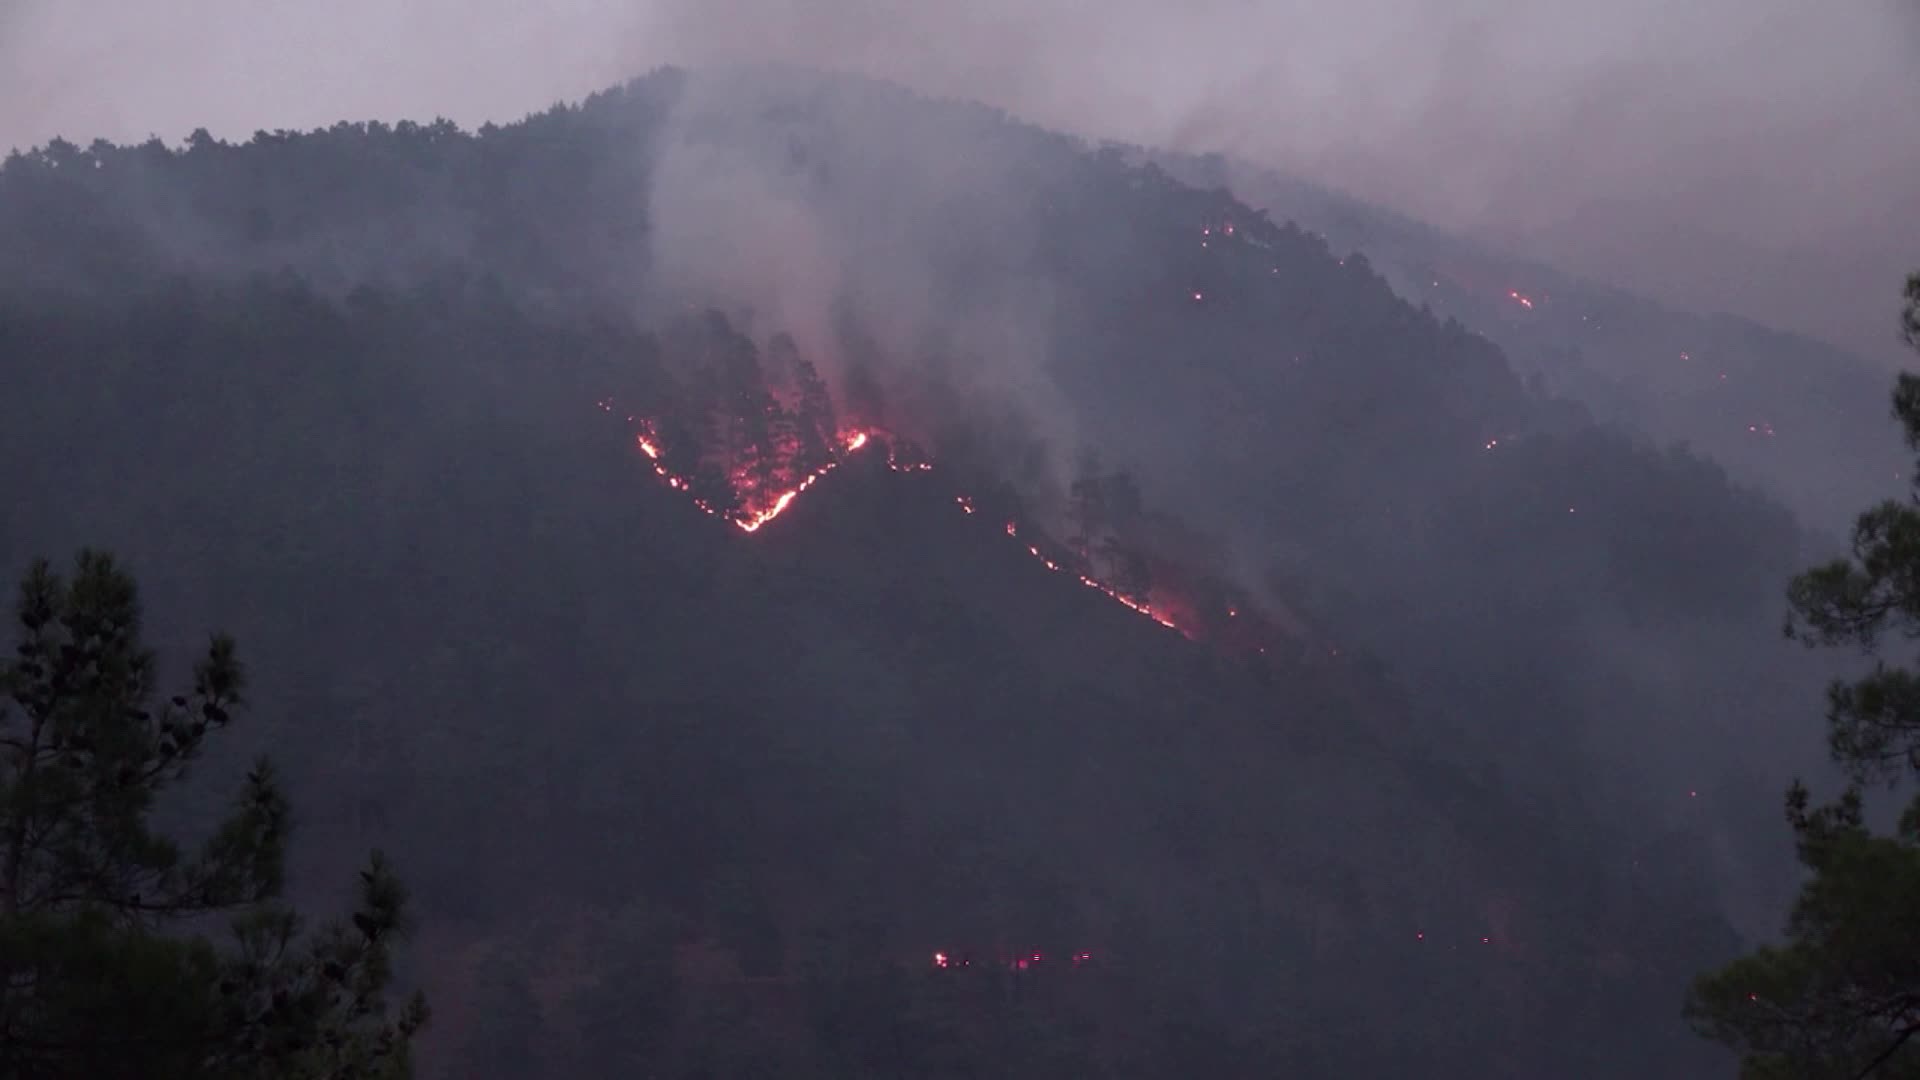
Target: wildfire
[(748, 521), (852, 442), (1024, 961), (1523, 301)]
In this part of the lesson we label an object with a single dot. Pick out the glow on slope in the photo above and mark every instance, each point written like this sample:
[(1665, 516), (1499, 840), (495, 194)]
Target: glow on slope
[(853, 442), (753, 521)]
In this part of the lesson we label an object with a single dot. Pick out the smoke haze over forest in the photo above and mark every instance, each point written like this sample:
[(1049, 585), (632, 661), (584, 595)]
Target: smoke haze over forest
[(1338, 645), (1725, 154)]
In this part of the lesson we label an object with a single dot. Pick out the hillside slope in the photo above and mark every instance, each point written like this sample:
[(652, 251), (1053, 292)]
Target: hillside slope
[(339, 392), (1799, 418), (487, 637)]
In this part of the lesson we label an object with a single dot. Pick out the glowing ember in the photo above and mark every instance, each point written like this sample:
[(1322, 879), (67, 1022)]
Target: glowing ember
[(1521, 300), (1197, 295), (785, 500), (746, 520), (751, 520)]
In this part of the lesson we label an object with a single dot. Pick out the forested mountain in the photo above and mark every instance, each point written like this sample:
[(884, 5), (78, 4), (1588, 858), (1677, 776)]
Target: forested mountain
[(1798, 418), (381, 402)]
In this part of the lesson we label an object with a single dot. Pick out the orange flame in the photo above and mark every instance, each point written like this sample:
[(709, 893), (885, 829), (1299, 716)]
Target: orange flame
[(853, 442), (749, 522)]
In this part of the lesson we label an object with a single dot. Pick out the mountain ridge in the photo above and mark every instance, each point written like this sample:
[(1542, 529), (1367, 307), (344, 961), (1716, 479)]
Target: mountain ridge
[(549, 683)]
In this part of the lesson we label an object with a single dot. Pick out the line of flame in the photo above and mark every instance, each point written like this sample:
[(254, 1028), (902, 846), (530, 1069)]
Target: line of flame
[(852, 443), (753, 522)]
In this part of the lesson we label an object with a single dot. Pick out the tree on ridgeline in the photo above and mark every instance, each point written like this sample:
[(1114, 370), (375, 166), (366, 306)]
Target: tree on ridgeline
[(1840, 997), (103, 972), (866, 403), (818, 428), (756, 456), (678, 440), (1127, 569), (1123, 503), (782, 361), (1087, 507), (783, 435), (749, 409)]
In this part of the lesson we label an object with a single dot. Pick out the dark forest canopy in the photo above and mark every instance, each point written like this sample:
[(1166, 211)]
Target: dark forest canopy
[(1794, 417), (337, 390)]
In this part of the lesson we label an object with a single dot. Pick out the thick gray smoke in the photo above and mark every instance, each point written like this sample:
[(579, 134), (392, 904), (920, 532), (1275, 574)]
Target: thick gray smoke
[(746, 220), (1754, 155)]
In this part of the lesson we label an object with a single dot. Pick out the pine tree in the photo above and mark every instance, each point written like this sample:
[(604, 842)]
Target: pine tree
[(866, 403), (818, 429), (1127, 569), (100, 972), (783, 361), (1087, 508), (1841, 997)]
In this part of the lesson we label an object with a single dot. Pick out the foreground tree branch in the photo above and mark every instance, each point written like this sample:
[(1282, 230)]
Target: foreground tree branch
[(98, 977)]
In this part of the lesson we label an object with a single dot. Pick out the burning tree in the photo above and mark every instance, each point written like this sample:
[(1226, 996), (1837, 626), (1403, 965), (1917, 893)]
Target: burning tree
[(1087, 507), (814, 420), (1107, 512)]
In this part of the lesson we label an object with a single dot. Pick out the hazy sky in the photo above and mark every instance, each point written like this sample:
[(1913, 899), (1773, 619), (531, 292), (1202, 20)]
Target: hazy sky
[(1761, 156)]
